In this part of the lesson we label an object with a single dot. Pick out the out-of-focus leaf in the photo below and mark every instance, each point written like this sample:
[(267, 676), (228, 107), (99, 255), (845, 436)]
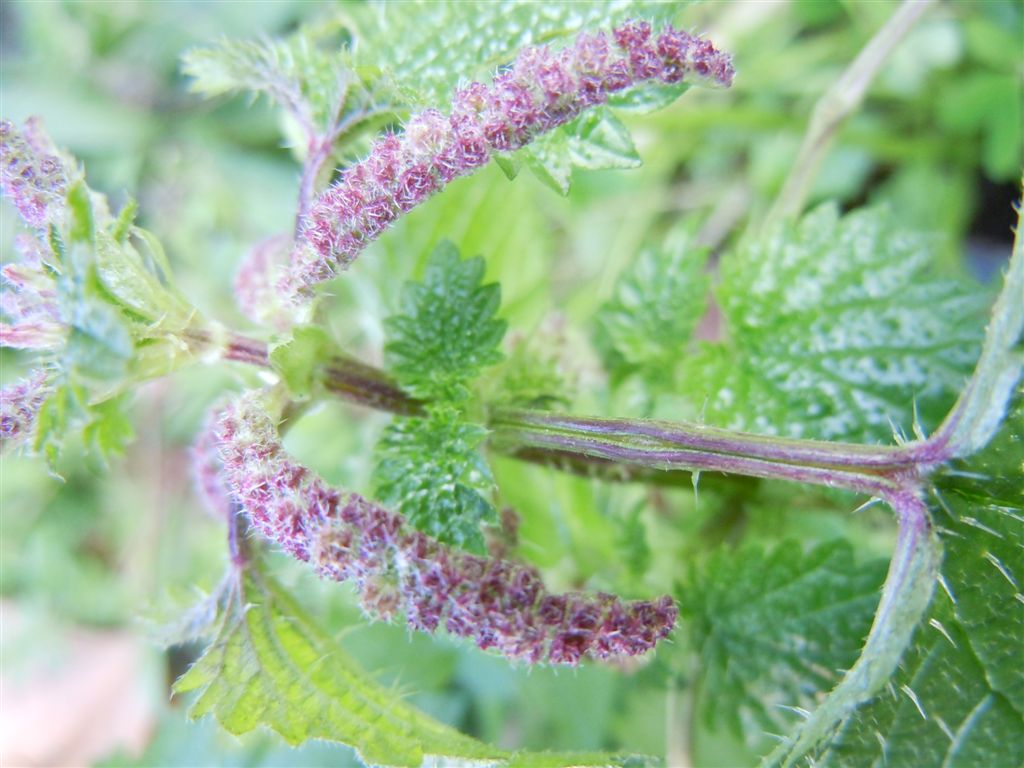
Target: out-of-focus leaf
[(646, 325)]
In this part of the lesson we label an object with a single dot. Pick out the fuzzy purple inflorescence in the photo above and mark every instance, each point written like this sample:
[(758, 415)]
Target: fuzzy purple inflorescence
[(256, 293), (207, 468), (32, 175), (29, 300), (543, 89), (19, 406), (499, 604)]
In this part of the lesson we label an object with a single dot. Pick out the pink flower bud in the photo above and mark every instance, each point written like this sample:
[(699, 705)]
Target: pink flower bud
[(32, 176), (19, 406)]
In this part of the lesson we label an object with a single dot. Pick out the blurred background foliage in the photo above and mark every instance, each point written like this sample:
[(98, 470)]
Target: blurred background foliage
[(125, 546)]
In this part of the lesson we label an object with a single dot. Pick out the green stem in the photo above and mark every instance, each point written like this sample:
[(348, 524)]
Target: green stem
[(837, 104)]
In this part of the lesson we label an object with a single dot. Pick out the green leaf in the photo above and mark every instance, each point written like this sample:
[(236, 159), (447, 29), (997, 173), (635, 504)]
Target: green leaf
[(81, 226), (269, 664), (446, 332), (841, 321), (647, 323), (310, 73), (427, 48), (958, 699), (298, 359), (773, 628), (432, 471), (104, 426), (596, 140)]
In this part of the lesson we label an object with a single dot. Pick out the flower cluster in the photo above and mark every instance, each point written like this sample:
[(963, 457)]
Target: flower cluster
[(499, 604), (19, 405), (542, 90), (29, 300), (31, 173)]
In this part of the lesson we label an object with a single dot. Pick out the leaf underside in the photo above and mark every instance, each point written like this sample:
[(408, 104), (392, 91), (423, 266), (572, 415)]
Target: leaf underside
[(270, 665)]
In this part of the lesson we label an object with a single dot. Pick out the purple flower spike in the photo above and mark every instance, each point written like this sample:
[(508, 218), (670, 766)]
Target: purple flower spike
[(29, 300), (31, 173), (19, 406), (542, 90), (499, 604)]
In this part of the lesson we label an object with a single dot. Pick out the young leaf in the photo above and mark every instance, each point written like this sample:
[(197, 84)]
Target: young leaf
[(446, 332), (432, 471), (774, 628), (657, 303), (269, 664), (841, 322), (958, 698), (298, 359), (310, 73)]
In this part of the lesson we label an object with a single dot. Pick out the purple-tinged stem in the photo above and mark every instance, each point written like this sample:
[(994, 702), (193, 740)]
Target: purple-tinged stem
[(908, 589), (714, 440), (697, 459)]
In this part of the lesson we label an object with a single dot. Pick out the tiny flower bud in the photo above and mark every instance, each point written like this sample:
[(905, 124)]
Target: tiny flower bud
[(19, 406), (32, 176)]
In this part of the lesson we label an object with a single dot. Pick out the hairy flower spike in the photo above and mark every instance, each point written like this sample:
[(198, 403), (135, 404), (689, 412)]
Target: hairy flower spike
[(499, 604), (31, 173), (29, 300), (542, 90), (19, 406), (207, 469), (255, 291)]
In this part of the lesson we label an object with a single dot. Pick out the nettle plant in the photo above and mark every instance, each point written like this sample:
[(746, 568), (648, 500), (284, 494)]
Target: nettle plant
[(840, 332)]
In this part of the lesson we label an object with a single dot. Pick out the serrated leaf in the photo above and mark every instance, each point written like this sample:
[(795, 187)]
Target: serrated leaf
[(596, 140), (429, 47), (773, 628), (958, 699), (310, 73), (431, 470), (105, 428), (656, 305), (842, 322), (599, 140), (270, 665), (446, 332)]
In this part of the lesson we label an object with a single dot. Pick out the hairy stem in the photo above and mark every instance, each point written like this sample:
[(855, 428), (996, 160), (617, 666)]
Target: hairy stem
[(626, 450), (838, 103), (908, 589)]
